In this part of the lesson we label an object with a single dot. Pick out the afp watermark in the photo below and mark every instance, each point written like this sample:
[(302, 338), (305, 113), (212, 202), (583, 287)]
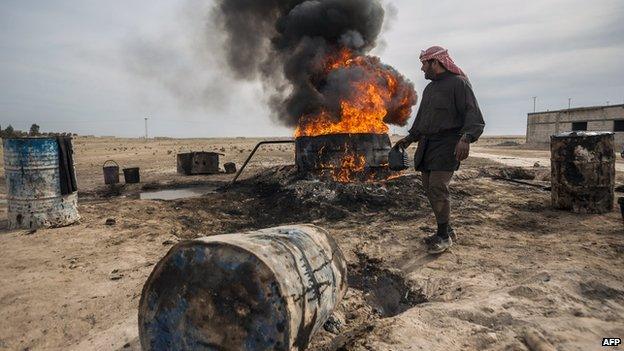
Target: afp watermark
[(611, 342)]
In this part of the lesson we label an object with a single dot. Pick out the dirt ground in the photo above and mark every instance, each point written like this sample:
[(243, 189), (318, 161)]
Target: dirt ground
[(519, 268)]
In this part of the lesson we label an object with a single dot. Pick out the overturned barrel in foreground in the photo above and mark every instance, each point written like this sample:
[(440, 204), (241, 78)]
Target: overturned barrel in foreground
[(269, 289), (583, 171)]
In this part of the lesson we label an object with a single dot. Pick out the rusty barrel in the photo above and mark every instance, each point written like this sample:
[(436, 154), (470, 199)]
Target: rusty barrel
[(270, 289), (199, 162), (34, 199), (583, 171), (328, 151)]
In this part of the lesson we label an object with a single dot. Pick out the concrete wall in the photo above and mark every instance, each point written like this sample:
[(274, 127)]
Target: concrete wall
[(541, 125)]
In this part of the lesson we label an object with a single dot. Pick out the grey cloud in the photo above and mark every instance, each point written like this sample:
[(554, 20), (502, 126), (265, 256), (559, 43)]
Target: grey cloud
[(61, 62)]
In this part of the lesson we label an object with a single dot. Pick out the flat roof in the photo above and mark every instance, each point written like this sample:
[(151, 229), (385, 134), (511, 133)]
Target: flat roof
[(577, 109)]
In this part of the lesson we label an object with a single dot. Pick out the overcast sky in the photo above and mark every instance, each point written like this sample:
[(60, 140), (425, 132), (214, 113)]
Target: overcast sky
[(100, 67)]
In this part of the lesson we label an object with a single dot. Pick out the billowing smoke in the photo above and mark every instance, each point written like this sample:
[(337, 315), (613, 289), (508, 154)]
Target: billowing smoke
[(288, 43)]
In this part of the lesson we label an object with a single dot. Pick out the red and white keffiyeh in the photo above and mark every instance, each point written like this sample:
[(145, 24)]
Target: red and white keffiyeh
[(441, 55)]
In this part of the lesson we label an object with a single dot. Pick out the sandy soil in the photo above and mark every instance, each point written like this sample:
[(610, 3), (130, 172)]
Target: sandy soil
[(514, 156), (519, 268)]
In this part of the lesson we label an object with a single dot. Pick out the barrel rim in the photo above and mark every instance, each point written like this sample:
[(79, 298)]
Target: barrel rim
[(32, 137), (193, 153), (343, 135), (581, 134)]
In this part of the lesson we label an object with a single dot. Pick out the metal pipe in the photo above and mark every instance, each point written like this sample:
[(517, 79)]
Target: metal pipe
[(290, 141), (542, 187)]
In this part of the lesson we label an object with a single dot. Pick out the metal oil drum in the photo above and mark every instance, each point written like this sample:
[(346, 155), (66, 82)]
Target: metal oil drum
[(34, 199), (583, 171), (199, 162), (314, 153), (270, 289)]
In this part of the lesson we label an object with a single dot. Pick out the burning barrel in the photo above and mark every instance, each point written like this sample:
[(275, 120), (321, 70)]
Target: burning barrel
[(265, 290), (583, 171), (362, 153)]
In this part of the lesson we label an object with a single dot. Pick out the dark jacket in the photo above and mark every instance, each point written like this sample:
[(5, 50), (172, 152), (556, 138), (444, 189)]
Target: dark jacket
[(448, 110)]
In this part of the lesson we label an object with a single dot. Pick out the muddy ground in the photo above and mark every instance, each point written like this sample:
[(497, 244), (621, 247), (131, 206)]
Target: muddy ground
[(519, 267)]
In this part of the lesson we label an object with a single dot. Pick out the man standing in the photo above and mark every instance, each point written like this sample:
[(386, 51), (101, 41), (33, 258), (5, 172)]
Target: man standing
[(447, 121)]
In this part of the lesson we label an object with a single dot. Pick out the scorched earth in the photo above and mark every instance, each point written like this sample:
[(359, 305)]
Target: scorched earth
[(518, 269)]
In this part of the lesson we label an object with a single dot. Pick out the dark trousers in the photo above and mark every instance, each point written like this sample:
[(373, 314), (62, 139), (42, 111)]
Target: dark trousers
[(436, 185)]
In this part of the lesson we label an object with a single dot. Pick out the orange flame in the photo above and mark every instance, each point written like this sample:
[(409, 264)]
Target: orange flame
[(381, 95), (350, 166), (368, 104)]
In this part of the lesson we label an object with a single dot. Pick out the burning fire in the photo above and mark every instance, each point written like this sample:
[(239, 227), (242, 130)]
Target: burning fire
[(379, 97), (350, 165)]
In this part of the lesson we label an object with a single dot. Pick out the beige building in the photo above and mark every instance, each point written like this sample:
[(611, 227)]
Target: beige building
[(541, 125)]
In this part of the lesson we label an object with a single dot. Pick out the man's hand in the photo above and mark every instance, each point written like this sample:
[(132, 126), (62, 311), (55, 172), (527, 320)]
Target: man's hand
[(404, 143), (462, 149)]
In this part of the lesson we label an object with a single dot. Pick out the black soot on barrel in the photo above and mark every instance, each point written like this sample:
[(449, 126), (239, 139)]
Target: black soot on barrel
[(346, 156), (269, 289), (583, 171)]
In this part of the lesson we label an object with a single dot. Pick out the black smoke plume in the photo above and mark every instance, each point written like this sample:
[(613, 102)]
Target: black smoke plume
[(286, 43)]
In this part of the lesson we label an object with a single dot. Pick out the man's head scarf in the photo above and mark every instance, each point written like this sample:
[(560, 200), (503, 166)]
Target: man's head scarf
[(441, 55)]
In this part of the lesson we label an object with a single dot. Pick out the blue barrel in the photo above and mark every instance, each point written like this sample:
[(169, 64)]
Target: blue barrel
[(31, 167)]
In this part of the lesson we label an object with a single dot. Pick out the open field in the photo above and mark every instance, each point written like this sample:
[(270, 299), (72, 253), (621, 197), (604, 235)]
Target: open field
[(518, 266)]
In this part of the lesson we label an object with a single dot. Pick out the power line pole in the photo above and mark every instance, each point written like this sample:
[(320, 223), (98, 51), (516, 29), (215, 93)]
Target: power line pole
[(145, 128), (534, 99), (569, 103)]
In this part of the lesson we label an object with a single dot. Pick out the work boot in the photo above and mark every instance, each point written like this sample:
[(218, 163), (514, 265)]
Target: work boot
[(451, 233), (438, 244)]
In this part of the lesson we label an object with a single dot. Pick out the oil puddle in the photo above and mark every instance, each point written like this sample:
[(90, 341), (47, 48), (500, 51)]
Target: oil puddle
[(179, 193)]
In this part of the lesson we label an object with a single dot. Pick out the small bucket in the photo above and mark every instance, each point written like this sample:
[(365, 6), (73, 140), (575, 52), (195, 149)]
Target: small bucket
[(131, 175), (111, 173)]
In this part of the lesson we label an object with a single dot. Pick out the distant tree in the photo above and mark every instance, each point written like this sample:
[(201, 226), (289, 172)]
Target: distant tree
[(8, 132), (34, 129)]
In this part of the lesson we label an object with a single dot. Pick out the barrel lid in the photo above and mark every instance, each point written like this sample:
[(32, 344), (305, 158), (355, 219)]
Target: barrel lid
[(209, 153), (213, 293), (31, 137), (581, 134)]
